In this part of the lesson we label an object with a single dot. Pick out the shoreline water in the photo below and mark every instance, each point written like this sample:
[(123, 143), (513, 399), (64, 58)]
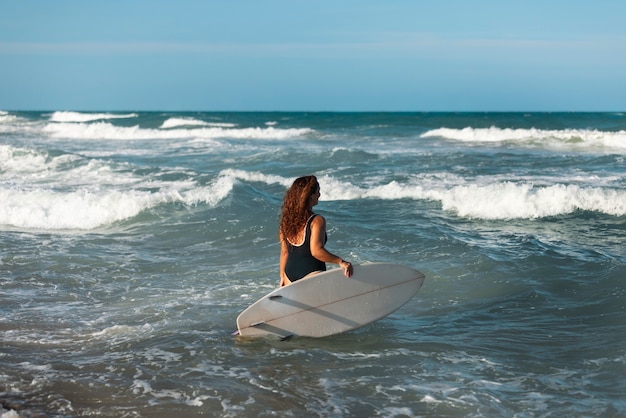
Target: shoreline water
[(131, 241)]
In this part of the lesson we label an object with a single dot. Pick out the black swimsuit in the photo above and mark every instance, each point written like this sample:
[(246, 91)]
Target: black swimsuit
[(300, 261)]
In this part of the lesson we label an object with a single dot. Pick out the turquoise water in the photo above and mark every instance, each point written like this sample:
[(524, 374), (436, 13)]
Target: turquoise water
[(131, 241)]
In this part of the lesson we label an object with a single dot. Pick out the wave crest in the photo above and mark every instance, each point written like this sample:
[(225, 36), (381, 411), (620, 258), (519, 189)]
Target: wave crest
[(524, 201), (180, 122), (65, 116), (570, 137), (106, 130), (500, 200), (68, 192), (82, 209)]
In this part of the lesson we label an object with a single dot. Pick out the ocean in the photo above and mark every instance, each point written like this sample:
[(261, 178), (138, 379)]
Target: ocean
[(131, 241)]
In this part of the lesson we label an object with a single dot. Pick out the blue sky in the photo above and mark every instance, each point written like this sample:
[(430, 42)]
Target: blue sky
[(335, 55)]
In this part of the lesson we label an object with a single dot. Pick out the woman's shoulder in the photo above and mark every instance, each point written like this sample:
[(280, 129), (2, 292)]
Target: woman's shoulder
[(317, 219)]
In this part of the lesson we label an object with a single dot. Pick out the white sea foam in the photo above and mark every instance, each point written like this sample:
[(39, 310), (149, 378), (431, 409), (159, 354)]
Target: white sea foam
[(508, 200), (106, 130), (15, 160), (65, 116), (141, 387), (82, 209), (159, 355), (17, 124), (252, 133), (500, 199), (48, 209), (256, 177), (116, 330), (512, 200), (577, 138), (212, 195), (179, 122), (28, 169), (6, 118), (70, 193), (103, 130)]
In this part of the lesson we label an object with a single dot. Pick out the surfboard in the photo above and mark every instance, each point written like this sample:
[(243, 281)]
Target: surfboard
[(328, 303)]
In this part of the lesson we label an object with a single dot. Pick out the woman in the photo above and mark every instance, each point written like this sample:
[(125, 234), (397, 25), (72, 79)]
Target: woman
[(302, 234)]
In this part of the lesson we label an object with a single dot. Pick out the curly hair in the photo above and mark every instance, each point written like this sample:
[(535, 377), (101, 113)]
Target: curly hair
[(296, 211)]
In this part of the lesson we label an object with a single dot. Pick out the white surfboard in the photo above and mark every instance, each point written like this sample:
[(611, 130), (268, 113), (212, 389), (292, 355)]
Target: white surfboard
[(329, 303)]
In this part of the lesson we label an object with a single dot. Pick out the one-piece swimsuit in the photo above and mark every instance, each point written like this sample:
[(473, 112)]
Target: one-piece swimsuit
[(300, 261)]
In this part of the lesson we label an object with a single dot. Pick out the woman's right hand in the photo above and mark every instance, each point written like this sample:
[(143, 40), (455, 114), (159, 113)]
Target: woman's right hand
[(347, 267)]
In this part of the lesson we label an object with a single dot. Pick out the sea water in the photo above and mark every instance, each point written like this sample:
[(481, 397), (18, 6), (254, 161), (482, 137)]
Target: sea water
[(130, 242)]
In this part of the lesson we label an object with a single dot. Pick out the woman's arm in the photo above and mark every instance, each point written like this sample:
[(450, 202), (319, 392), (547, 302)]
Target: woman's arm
[(284, 280), (318, 235)]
